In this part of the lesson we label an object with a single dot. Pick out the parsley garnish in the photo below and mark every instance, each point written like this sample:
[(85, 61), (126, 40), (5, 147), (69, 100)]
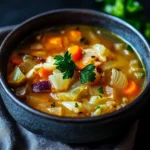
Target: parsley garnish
[(97, 107), (92, 56), (53, 104), (100, 90), (82, 39), (76, 104), (87, 74), (66, 65), (100, 96)]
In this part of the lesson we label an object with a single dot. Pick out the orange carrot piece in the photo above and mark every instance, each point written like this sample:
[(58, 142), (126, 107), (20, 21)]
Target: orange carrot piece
[(74, 35), (80, 65), (65, 42), (131, 89), (54, 43), (44, 73), (76, 52), (16, 60)]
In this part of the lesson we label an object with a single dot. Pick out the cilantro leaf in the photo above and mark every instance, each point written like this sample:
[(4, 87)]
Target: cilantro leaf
[(100, 90), (87, 74), (65, 65)]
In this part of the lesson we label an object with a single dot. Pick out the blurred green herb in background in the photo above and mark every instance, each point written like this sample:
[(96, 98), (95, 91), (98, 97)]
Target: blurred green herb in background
[(128, 10)]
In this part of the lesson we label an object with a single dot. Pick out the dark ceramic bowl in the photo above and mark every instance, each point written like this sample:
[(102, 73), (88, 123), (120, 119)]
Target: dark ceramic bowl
[(74, 130)]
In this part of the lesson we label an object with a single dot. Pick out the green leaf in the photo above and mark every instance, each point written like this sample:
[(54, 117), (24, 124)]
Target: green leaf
[(116, 9), (97, 107), (133, 6), (100, 90), (87, 74), (53, 104), (76, 104), (147, 30), (65, 65)]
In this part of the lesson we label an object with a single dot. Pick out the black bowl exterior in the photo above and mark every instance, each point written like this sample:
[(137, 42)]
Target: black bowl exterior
[(74, 130)]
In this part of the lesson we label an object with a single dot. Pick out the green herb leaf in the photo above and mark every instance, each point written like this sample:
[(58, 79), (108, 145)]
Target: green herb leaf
[(82, 39), (147, 30), (53, 105), (87, 74), (97, 107), (100, 90), (133, 6), (66, 65), (116, 9), (76, 104)]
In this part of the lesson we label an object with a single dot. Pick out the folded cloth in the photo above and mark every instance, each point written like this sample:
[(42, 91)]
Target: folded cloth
[(14, 137)]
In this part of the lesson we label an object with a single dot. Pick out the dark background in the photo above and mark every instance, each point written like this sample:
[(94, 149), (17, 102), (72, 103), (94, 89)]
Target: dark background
[(15, 11)]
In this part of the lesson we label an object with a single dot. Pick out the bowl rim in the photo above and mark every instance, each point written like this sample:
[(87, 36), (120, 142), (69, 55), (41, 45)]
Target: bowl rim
[(111, 115)]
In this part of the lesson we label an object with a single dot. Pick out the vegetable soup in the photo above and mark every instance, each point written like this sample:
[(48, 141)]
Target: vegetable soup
[(75, 71)]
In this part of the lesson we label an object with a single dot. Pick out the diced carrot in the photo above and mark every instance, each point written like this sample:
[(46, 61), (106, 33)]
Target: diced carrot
[(74, 35), (16, 60), (76, 52), (80, 65), (44, 73), (131, 89), (54, 43), (65, 42)]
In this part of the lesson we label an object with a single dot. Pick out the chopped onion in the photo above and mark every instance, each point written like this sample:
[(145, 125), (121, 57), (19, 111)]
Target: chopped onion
[(34, 100), (97, 100), (118, 79), (89, 107), (119, 46), (109, 91), (55, 111), (101, 52), (36, 46), (21, 92), (74, 106), (73, 94), (27, 64), (58, 83), (16, 77), (100, 109)]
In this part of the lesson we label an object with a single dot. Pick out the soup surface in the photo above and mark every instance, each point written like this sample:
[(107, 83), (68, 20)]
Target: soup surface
[(75, 71)]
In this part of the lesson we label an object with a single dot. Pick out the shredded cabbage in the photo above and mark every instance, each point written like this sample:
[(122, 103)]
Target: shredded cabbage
[(74, 106), (58, 83), (118, 79), (73, 94), (55, 111), (16, 77)]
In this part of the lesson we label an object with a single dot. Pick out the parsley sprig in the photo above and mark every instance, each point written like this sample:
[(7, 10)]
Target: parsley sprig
[(100, 90), (87, 74), (128, 10), (65, 64)]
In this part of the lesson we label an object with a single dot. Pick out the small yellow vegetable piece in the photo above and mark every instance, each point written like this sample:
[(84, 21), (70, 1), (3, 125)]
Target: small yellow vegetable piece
[(55, 111), (16, 77), (75, 106)]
